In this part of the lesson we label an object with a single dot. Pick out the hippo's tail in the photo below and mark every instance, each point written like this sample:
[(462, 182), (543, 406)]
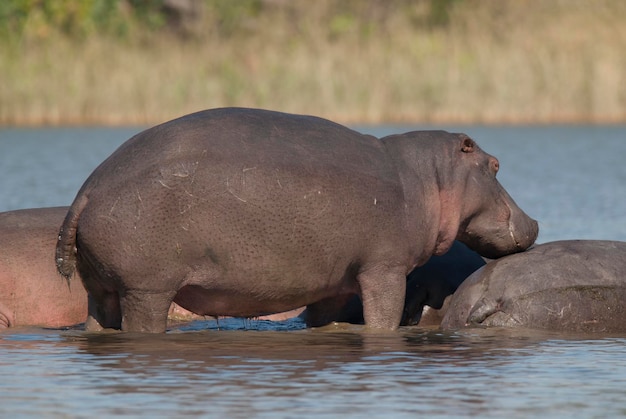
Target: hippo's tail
[(66, 245)]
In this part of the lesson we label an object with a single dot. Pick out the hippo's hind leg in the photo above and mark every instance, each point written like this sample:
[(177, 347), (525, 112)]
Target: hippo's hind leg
[(103, 303), (103, 312), (145, 310)]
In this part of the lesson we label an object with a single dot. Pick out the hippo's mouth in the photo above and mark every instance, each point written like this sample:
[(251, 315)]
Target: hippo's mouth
[(516, 243), (522, 241)]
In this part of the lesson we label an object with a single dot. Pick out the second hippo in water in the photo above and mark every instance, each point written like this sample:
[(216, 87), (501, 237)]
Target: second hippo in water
[(571, 285), (246, 212), (428, 288), (31, 293)]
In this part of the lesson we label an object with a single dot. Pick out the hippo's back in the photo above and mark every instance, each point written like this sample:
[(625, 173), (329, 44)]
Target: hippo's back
[(241, 187), (245, 138)]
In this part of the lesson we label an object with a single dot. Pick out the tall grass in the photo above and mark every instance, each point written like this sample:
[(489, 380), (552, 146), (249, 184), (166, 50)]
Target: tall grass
[(398, 61)]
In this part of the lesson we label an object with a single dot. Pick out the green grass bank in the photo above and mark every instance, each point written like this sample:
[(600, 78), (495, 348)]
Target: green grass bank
[(354, 61)]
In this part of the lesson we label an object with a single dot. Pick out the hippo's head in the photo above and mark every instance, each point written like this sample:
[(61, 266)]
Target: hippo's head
[(451, 178), (490, 222)]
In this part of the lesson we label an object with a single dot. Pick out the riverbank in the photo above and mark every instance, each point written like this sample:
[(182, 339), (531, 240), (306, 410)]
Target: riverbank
[(502, 61)]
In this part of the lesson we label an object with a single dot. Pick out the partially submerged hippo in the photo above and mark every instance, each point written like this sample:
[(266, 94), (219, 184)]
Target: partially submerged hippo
[(426, 290), (30, 291), (244, 212), (572, 285), (430, 284)]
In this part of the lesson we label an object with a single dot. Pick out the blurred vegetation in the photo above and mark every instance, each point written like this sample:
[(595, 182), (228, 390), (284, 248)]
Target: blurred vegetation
[(119, 19), (145, 61), (78, 19)]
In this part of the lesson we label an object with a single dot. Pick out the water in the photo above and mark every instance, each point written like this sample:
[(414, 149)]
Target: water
[(572, 179), (312, 373)]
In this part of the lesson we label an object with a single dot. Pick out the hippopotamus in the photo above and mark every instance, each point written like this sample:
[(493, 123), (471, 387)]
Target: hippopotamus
[(244, 212), (428, 287), (30, 295), (565, 286), (30, 292)]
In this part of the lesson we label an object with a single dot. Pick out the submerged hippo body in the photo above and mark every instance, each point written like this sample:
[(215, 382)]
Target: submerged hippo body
[(427, 288), (430, 285), (572, 285), (245, 212), (31, 292)]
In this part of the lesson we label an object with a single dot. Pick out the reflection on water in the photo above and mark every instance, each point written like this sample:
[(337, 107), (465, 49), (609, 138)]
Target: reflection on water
[(337, 370)]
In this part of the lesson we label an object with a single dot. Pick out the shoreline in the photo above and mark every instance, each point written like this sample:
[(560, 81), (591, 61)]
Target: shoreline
[(114, 121)]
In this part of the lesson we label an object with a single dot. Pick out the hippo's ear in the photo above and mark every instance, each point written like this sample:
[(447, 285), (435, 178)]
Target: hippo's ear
[(467, 144)]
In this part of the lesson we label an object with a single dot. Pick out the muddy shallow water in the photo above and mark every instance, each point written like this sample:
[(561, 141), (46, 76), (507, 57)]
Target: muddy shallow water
[(572, 179), (341, 370)]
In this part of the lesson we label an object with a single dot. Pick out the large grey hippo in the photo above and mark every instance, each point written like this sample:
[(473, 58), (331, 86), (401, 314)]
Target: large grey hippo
[(245, 212), (30, 292), (571, 285)]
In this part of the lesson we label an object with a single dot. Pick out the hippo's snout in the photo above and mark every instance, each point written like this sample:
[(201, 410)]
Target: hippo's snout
[(525, 235), (500, 227), (514, 235), (503, 239)]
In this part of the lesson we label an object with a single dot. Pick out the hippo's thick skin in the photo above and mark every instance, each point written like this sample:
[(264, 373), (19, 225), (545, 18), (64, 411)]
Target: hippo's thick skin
[(246, 212), (565, 286)]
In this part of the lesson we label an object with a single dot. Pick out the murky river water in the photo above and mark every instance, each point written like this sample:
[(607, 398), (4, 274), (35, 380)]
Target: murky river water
[(572, 179), (310, 373)]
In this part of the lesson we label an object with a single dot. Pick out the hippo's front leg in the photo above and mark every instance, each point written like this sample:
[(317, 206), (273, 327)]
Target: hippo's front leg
[(382, 292)]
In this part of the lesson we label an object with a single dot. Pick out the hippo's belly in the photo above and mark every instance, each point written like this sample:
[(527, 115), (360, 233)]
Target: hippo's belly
[(255, 301)]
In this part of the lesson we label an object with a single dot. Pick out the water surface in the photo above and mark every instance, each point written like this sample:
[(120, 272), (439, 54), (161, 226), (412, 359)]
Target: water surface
[(311, 373)]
